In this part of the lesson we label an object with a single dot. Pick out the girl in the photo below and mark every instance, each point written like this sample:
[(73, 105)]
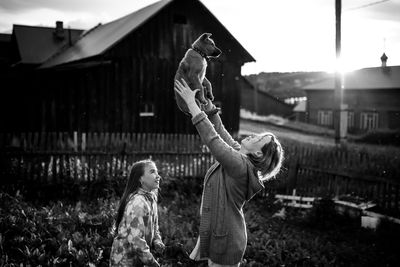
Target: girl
[(233, 180), (136, 221)]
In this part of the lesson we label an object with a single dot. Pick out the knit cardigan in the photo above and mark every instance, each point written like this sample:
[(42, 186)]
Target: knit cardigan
[(228, 184)]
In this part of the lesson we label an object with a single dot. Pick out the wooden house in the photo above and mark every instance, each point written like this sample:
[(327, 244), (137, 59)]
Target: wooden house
[(372, 96), (299, 111), (118, 76), (260, 102)]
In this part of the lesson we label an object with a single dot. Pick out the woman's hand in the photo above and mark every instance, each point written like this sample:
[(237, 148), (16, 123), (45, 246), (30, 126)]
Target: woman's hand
[(208, 106), (185, 92), (188, 96)]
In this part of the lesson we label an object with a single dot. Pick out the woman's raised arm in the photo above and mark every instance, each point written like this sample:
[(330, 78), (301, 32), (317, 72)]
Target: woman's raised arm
[(223, 152)]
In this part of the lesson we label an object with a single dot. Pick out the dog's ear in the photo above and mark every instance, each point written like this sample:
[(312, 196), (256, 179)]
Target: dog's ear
[(205, 35)]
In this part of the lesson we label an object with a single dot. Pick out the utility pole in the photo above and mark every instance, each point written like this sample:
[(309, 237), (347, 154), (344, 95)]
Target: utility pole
[(340, 110)]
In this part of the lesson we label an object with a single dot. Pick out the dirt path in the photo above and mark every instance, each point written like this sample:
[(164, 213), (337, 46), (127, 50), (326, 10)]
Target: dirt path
[(249, 127)]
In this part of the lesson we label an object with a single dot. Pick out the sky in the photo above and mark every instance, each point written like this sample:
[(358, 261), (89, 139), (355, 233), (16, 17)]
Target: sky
[(282, 35)]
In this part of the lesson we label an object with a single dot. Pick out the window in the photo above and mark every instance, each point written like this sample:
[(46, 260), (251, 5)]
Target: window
[(369, 120), (325, 117), (350, 119), (146, 110)]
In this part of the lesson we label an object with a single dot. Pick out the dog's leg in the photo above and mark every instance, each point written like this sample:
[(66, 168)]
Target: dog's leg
[(196, 84), (208, 89)]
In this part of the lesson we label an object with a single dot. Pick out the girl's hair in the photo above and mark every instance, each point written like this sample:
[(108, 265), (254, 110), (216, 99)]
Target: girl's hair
[(269, 164), (132, 186)]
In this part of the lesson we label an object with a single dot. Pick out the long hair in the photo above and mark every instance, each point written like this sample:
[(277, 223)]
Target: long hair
[(132, 186), (269, 164)]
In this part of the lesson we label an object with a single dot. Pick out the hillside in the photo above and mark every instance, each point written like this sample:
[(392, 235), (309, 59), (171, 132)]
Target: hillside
[(285, 85)]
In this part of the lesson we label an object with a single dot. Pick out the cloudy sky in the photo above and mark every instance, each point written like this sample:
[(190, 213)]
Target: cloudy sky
[(282, 35)]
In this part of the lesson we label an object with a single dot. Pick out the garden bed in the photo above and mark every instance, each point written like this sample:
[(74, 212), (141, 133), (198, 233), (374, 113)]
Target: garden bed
[(78, 233)]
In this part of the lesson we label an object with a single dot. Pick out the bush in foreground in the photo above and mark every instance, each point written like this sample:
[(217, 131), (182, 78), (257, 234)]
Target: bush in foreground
[(77, 233)]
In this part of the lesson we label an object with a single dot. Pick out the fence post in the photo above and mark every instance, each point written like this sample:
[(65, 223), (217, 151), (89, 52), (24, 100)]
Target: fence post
[(292, 175)]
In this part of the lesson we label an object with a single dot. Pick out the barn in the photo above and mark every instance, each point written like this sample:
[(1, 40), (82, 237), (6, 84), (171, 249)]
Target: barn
[(115, 77)]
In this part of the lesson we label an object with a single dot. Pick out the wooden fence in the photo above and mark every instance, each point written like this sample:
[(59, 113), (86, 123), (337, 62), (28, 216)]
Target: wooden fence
[(54, 167), (104, 142), (364, 173), (319, 182), (312, 170), (50, 157)]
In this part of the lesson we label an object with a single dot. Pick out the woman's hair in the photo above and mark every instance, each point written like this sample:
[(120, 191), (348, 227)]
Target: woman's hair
[(269, 164), (132, 186)]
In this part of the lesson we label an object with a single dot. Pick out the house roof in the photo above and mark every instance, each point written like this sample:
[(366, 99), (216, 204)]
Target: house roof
[(5, 37), (5, 47), (102, 37), (36, 44), (368, 78)]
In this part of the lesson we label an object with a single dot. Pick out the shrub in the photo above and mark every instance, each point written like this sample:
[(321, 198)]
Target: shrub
[(77, 233), (56, 234)]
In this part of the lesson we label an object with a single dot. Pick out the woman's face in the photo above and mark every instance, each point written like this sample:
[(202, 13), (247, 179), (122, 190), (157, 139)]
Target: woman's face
[(150, 179), (254, 143)]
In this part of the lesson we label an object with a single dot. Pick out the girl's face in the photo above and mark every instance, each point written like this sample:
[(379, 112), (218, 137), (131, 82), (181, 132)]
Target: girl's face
[(254, 143), (150, 179)]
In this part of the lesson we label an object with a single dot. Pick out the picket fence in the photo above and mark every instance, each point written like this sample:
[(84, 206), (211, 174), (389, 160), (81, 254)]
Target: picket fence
[(311, 170), (50, 157)]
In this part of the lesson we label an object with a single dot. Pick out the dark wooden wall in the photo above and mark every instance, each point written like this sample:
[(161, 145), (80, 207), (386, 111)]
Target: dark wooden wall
[(262, 103), (386, 102), (105, 93)]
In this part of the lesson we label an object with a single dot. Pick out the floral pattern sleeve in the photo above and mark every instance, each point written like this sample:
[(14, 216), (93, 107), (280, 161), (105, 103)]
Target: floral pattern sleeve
[(157, 236), (131, 241)]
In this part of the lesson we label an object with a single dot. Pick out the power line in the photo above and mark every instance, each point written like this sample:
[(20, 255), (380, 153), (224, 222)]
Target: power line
[(366, 5)]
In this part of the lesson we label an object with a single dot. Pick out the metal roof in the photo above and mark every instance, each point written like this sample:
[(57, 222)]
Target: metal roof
[(102, 37), (368, 78), (37, 44)]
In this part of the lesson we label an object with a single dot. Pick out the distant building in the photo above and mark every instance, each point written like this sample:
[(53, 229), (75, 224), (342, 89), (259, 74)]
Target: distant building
[(300, 111), (262, 103), (371, 94), (115, 77)]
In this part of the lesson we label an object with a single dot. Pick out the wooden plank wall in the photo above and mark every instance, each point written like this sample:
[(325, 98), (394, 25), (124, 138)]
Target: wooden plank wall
[(105, 93)]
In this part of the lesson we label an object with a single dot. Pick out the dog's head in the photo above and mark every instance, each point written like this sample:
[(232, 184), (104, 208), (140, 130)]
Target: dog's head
[(207, 45)]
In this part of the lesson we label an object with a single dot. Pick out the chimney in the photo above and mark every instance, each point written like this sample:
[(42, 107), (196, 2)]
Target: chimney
[(59, 31), (384, 58)]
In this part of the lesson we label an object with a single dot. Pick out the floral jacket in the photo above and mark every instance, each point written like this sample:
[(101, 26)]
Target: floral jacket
[(137, 232)]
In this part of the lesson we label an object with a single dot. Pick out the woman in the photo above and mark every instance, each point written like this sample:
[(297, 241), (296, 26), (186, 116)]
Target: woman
[(233, 180), (136, 221)]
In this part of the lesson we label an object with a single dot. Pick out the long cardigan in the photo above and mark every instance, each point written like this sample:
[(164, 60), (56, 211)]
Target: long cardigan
[(228, 184)]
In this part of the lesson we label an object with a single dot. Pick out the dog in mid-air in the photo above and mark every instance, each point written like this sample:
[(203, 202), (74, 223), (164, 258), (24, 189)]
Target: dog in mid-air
[(192, 69)]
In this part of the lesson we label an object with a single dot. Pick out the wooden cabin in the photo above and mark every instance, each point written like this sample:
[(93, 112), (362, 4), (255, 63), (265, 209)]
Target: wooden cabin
[(372, 97), (118, 76), (262, 103)]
